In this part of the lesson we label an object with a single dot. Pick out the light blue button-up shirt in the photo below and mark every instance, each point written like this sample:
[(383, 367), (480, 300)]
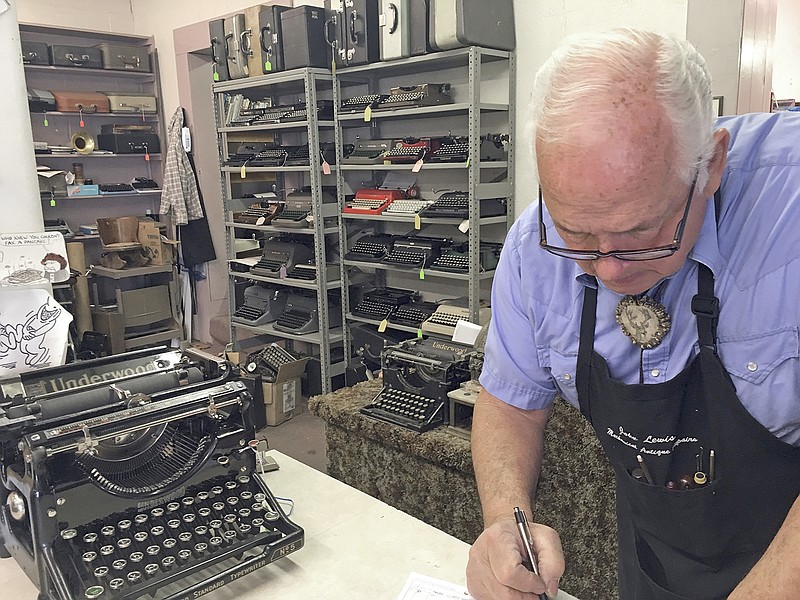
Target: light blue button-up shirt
[(754, 253)]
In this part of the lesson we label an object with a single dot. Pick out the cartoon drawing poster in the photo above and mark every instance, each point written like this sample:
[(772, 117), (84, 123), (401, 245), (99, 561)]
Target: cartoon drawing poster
[(27, 258), (33, 331)]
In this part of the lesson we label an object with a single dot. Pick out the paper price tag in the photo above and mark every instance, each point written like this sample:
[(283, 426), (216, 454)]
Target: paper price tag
[(464, 226), (267, 66), (382, 327), (419, 333), (422, 273), (243, 172), (333, 67), (282, 272), (368, 114), (417, 222), (326, 168), (417, 166)]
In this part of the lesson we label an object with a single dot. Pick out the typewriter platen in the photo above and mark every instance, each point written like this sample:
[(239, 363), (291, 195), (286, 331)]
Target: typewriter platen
[(124, 476), (417, 376)]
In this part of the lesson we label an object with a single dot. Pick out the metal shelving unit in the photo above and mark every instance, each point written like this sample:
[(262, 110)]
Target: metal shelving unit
[(483, 84), (306, 85)]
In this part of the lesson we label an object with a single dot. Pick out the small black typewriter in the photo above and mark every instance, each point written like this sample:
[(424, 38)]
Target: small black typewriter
[(380, 303), (267, 361), (414, 252), (360, 103), (261, 306), (291, 218), (454, 149), (269, 157), (407, 409), (257, 215), (425, 94), (455, 259), (412, 314), (455, 205), (244, 153), (116, 188), (371, 248), (368, 152), (301, 316), (324, 112)]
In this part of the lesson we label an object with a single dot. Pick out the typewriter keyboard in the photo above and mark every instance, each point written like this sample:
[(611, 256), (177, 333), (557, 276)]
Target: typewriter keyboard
[(406, 258), (268, 266), (406, 409), (248, 313), (451, 153), (365, 204), (455, 206), (410, 316), (367, 251), (405, 153), (365, 153), (447, 319), (133, 553), (454, 262), (363, 101), (269, 158), (373, 310), (295, 320), (402, 99), (303, 273), (294, 216), (252, 216), (116, 188), (406, 207)]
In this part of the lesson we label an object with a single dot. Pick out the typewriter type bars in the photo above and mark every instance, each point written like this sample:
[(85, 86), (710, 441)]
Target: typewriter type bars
[(267, 361), (371, 248), (152, 488)]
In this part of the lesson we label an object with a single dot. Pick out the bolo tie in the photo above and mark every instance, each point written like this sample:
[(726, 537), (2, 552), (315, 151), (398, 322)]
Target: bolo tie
[(644, 320)]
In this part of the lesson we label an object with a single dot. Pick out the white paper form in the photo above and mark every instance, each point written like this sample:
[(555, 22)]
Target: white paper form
[(422, 587)]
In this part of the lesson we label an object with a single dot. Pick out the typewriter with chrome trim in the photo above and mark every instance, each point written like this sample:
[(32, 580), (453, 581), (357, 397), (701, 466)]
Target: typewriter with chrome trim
[(132, 476), (414, 252), (423, 94), (299, 155), (452, 149), (455, 258), (455, 205), (406, 206), (417, 374), (380, 303), (279, 256), (371, 248), (368, 152), (261, 305), (301, 315)]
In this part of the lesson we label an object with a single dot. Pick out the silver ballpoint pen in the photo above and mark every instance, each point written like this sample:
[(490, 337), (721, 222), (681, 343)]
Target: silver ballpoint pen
[(527, 542)]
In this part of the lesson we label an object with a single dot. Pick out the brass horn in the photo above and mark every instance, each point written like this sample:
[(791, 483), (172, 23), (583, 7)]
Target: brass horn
[(82, 142)]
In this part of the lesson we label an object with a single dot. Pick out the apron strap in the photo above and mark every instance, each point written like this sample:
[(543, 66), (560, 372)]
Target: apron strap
[(586, 348), (705, 307)]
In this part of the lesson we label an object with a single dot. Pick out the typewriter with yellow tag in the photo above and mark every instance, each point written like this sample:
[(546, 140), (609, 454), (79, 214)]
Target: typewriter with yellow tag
[(415, 252), (417, 374), (360, 103), (135, 476), (424, 94), (380, 303)]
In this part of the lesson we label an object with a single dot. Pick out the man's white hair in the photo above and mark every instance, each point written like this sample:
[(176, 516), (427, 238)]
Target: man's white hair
[(569, 89)]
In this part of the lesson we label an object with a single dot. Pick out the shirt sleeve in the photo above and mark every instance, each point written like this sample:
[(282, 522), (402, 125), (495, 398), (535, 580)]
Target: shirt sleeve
[(512, 371)]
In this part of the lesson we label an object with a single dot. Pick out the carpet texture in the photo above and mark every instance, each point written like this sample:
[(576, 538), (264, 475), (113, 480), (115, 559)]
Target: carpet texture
[(430, 476)]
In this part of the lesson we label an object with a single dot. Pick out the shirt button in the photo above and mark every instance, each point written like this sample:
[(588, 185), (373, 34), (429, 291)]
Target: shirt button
[(655, 372), (567, 376), (751, 366)]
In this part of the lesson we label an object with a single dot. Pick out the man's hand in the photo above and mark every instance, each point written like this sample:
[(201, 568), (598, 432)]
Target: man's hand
[(496, 570)]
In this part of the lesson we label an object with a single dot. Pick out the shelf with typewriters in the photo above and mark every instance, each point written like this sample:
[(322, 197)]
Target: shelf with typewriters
[(94, 101), (426, 190), (277, 159)]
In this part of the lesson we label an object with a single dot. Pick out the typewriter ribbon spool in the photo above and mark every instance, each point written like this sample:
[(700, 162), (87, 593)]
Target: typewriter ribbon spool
[(82, 142)]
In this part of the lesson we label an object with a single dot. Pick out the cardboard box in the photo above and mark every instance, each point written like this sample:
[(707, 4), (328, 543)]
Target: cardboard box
[(282, 398), (159, 249)]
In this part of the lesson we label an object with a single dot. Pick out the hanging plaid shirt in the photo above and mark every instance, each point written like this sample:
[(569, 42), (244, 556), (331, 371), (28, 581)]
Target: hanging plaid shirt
[(179, 193)]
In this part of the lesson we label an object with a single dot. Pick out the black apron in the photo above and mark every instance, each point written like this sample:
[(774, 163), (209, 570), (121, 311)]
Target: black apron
[(696, 543)]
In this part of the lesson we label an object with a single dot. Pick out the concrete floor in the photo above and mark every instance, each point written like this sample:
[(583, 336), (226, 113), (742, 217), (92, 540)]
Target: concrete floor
[(302, 437)]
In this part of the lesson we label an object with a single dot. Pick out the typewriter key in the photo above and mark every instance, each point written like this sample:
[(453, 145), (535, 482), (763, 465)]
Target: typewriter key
[(119, 564), (246, 496), (215, 542), (140, 536), (69, 534), (201, 530), (150, 569), (140, 519), (116, 583), (167, 562), (134, 577), (153, 550), (169, 543), (204, 512), (232, 500), (90, 538), (174, 523), (216, 490), (106, 550), (218, 506), (245, 529), (200, 549), (257, 507), (187, 501), (229, 536), (215, 524), (271, 515), (101, 572), (231, 485), (258, 523), (230, 518), (184, 555), (157, 531), (173, 506), (202, 497), (124, 525), (124, 543), (260, 497), (243, 479), (244, 513), (189, 518), (107, 531), (137, 557), (185, 537), (157, 513), (89, 557), (94, 591)]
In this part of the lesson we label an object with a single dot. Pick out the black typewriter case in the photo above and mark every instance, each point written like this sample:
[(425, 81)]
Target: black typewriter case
[(155, 463)]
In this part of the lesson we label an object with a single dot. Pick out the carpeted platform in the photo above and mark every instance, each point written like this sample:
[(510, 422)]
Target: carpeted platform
[(430, 476)]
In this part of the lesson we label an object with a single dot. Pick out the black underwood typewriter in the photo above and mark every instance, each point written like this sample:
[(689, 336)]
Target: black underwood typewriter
[(130, 476), (360, 103), (412, 314), (278, 257), (417, 376), (414, 252), (368, 152), (301, 316), (380, 303), (424, 94), (455, 205), (261, 306), (455, 258), (371, 248)]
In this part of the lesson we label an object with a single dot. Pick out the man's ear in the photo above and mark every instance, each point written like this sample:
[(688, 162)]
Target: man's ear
[(716, 165)]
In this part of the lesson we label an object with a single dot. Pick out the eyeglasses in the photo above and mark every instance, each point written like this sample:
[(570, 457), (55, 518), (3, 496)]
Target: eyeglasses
[(641, 254)]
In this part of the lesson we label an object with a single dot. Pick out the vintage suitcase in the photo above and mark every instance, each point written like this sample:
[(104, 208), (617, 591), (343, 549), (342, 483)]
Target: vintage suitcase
[(40, 100), (335, 33), (131, 102), (395, 29), (303, 30), (35, 53), (117, 57), (216, 34), (129, 143), (418, 25), (271, 38), (234, 34), (257, 40), (76, 56), (362, 31), (474, 23), (86, 102)]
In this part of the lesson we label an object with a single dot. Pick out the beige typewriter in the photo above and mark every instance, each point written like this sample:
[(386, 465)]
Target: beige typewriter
[(444, 320)]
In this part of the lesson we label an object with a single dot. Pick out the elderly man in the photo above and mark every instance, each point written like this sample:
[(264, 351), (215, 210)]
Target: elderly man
[(655, 285)]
